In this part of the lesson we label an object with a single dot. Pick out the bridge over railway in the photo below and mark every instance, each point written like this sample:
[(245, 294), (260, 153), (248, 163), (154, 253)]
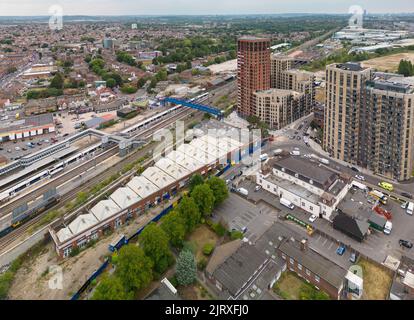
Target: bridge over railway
[(190, 104)]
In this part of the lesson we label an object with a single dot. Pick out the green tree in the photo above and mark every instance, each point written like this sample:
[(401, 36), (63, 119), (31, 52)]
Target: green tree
[(189, 211), (110, 288), (219, 188), (141, 82), (57, 81), (134, 268), (406, 68), (186, 268), (110, 83), (204, 198), (154, 242), (195, 180), (127, 89), (174, 226)]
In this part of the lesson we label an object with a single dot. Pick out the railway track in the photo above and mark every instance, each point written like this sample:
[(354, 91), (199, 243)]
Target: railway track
[(8, 239), (8, 208)]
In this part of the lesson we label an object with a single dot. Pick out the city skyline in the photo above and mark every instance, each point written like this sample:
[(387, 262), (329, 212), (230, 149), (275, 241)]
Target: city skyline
[(187, 7)]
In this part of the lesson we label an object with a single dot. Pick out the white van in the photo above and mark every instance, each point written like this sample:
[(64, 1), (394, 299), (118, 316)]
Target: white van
[(388, 227), (410, 208), (287, 203)]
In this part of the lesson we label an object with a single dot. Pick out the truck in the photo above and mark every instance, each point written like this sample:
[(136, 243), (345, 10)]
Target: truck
[(377, 222), (287, 203), (379, 196), (359, 185), (410, 208), (243, 191), (383, 212)]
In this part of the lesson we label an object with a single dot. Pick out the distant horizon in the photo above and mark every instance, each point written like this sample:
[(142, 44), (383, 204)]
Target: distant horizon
[(111, 8)]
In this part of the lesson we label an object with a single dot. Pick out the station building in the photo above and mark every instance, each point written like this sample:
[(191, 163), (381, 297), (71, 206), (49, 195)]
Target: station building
[(156, 184)]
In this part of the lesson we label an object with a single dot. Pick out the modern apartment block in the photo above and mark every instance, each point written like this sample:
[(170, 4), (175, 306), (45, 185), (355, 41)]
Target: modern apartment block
[(344, 123), (389, 137), (278, 107), (278, 64), (253, 71), (369, 119)]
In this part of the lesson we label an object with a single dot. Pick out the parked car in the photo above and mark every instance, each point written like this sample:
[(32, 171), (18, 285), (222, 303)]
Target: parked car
[(312, 218), (404, 205), (405, 243), (359, 177), (355, 169), (257, 188), (353, 258), (341, 250), (407, 195)]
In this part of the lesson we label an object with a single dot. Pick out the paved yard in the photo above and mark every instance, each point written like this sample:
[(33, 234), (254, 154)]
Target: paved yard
[(237, 213)]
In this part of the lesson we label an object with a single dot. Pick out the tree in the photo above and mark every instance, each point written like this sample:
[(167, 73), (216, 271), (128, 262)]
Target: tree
[(174, 226), (186, 268), (204, 198), (219, 188), (57, 81), (127, 89), (154, 242), (110, 83), (134, 268), (406, 68), (188, 209), (195, 180), (141, 82), (110, 288)]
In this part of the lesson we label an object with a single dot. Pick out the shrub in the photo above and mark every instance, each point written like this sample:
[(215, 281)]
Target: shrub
[(236, 235), (208, 248), (202, 264), (219, 229)]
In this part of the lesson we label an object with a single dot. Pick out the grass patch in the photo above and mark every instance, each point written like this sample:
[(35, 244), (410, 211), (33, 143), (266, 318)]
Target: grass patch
[(200, 237), (291, 287), (377, 281)]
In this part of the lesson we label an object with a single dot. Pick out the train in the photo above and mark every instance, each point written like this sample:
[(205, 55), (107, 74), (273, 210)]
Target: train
[(8, 223), (48, 173)]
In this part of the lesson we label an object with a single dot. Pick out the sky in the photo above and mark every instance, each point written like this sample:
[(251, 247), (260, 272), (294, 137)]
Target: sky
[(198, 7)]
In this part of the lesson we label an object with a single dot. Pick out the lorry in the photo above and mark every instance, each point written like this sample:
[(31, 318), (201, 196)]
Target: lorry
[(243, 191), (287, 203), (410, 208), (379, 196)]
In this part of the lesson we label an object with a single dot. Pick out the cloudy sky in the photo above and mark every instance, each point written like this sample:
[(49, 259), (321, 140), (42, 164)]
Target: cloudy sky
[(154, 7)]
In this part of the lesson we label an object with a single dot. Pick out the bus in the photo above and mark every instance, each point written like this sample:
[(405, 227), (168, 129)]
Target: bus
[(379, 196)]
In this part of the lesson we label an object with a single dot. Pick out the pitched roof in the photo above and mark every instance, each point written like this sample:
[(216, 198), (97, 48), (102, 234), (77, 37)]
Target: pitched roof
[(221, 253), (353, 227), (235, 271)]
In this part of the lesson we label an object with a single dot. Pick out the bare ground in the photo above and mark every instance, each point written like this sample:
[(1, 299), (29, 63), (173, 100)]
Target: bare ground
[(389, 63)]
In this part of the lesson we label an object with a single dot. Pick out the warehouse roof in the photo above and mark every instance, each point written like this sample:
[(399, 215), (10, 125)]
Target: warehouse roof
[(172, 168), (142, 186), (158, 177), (124, 197), (104, 209), (82, 222), (184, 160)]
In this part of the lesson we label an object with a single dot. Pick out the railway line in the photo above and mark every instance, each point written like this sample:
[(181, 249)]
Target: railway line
[(9, 238)]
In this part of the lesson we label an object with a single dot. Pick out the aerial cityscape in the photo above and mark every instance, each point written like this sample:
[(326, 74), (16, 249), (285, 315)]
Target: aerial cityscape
[(178, 151)]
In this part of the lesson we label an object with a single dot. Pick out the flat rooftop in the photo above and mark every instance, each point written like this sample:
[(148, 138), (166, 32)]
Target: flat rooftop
[(355, 204), (350, 66)]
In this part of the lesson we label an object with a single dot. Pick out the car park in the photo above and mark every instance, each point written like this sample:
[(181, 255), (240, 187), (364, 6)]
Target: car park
[(39, 143), (405, 243), (341, 250)]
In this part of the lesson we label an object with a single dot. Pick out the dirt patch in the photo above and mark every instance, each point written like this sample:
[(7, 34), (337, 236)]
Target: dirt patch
[(389, 63), (200, 237), (193, 292), (288, 286), (377, 281)]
